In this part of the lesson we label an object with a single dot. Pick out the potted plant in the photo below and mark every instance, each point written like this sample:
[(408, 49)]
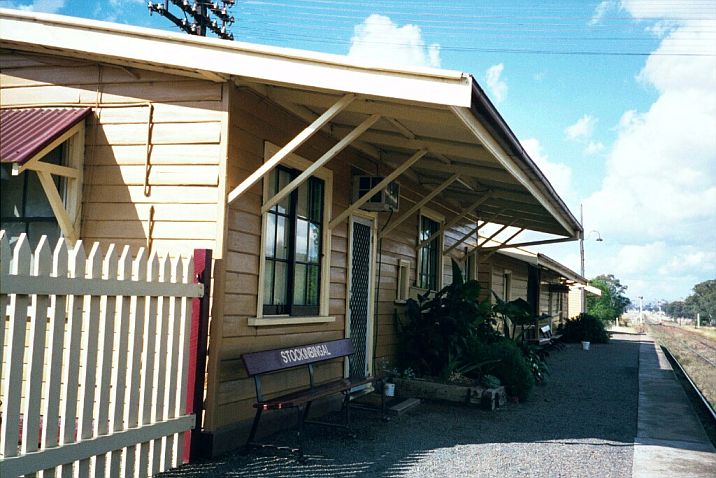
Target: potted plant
[(387, 375)]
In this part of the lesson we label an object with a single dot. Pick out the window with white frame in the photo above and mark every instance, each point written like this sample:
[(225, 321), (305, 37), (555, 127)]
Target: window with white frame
[(293, 246), (429, 272), (471, 266), (403, 289), (507, 286), (41, 172), (24, 206)]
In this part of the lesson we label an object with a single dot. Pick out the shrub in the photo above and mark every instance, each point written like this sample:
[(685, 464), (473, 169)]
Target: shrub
[(507, 363), (436, 331), (584, 327)]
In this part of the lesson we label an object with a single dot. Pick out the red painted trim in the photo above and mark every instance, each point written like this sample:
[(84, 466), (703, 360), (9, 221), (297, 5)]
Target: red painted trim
[(197, 346)]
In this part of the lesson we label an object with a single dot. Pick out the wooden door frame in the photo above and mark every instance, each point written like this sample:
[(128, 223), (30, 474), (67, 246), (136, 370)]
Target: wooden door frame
[(369, 219)]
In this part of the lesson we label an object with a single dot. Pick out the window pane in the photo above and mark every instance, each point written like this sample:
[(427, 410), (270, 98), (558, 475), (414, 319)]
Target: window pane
[(299, 285), (284, 177), (314, 243), (36, 203), (280, 284), (268, 282), (11, 187), (282, 237), (313, 285), (302, 200), (429, 259), (316, 198), (270, 239), (301, 240)]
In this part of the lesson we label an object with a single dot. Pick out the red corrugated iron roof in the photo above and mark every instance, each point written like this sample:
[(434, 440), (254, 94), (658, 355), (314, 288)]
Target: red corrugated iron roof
[(25, 131)]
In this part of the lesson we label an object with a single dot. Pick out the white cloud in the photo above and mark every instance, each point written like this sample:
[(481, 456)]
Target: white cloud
[(379, 40), (495, 83), (601, 10), (44, 6), (558, 174), (657, 202), (582, 129), (594, 147)]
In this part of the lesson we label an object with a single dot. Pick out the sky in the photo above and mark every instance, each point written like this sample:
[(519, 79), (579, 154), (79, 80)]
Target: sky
[(614, 100)]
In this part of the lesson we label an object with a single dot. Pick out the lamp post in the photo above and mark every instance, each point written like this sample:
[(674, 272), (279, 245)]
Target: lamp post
[(581, 253)]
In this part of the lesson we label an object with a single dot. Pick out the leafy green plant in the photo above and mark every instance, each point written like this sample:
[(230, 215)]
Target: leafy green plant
[(508, 365), (584, 327), (490, 381), (436, 331), (514, 313), (535, 362)]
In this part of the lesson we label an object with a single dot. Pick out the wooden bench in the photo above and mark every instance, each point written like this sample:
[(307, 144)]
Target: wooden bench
[(259, 364), (547, 340)]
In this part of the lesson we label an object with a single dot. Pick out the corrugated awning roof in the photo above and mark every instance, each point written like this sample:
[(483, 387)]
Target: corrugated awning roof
[(24, 132)]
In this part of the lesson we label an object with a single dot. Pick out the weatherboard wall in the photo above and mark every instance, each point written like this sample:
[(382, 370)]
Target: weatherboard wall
[(254, 121), (184, 153)]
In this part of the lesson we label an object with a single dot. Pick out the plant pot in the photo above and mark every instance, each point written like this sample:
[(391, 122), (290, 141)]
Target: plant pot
[(389, 389), (585, 345)]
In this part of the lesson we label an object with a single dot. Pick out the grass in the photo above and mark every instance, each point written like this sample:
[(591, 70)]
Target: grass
[(691, 347)]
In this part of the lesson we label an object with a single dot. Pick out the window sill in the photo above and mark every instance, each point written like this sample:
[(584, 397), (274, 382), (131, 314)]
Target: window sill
[(287, 320)]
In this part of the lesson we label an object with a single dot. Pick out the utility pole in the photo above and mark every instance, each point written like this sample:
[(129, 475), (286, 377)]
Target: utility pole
[(641, 310), (201, 12), (583, 295), (581, 254)]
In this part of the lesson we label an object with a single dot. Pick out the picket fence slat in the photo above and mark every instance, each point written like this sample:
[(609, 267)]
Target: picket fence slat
[(36, 353), (94, 373), (161, 368), (5, 256), (187, 273), (119, 371), (51, 393), (14, 355)]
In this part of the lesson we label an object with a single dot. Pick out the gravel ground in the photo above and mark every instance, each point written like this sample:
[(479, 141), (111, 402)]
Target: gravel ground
[(581, 423)]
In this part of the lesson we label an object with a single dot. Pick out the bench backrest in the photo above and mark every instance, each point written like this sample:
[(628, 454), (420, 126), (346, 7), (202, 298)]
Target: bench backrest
[(279, 359)]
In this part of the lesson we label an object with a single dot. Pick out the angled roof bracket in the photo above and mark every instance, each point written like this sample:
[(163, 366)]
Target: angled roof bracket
[(378, 187), (456, 219), (320, 162), (292, 146), (416, 207)]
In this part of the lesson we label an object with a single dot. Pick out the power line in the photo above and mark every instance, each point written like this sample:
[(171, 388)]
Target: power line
[(201, 12)]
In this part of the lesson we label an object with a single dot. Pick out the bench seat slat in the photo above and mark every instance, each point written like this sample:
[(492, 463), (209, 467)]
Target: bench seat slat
[(302, 397)]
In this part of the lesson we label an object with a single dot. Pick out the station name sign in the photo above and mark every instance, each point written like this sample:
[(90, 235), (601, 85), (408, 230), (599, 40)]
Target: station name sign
[(301, 354)]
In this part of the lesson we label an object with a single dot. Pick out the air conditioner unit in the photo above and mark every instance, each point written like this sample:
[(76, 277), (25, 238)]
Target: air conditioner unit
[(385, 200)]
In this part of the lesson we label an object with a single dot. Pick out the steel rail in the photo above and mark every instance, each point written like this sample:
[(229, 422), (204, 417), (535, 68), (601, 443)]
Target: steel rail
[(705, 403)]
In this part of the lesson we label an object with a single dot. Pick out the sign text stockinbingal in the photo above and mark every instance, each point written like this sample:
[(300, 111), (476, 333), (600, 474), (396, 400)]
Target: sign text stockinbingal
[(304, 353)]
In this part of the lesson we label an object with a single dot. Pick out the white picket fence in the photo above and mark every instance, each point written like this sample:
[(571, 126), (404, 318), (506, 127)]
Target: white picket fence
[(94, 361)]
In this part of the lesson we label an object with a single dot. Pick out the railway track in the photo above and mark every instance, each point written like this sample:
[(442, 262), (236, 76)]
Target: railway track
[(708, 355), (705, 411)]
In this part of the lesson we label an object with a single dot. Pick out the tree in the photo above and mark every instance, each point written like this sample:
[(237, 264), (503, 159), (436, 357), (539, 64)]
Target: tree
[(702, 301), (677, 309), (612, 303)]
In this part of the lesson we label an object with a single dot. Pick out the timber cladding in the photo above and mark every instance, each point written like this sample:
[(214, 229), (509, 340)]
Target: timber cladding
[(181, 135), (255, 121)]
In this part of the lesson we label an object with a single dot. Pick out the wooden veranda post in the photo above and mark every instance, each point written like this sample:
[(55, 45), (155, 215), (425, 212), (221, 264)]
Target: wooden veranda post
[(197, 346)]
